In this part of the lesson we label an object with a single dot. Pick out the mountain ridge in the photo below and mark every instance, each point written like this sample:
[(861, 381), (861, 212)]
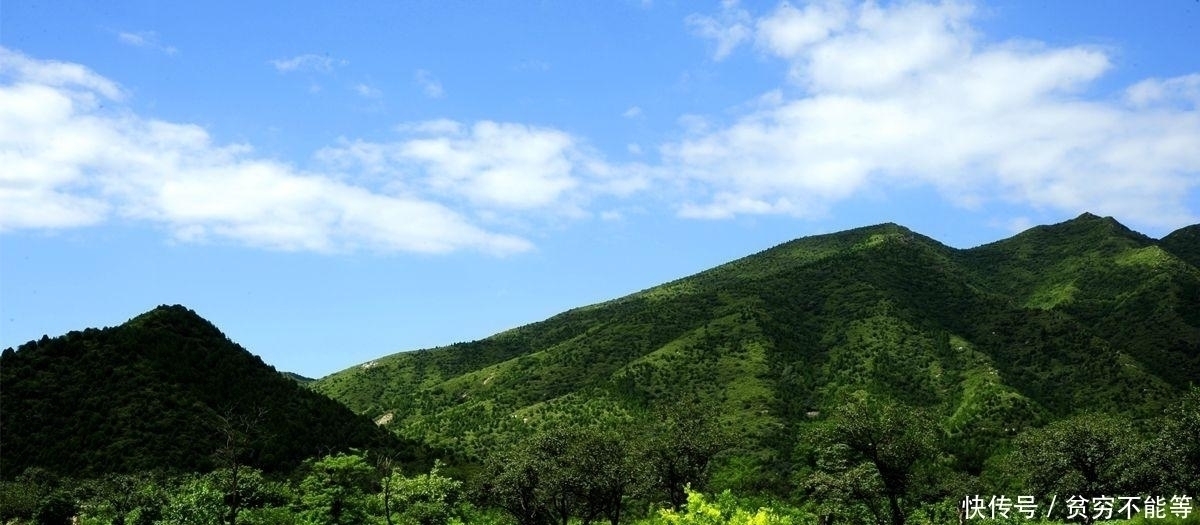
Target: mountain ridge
[(992, 338)]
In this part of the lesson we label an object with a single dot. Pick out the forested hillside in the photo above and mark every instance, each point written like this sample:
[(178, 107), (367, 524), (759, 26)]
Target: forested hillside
[(1085, 315), (165, 391)]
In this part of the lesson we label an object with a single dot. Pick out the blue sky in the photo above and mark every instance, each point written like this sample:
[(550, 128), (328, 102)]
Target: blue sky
[(329, 183)]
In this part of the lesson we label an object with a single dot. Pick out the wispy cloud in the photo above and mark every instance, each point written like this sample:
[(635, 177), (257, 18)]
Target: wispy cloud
[(70, 163), (308, 62), (367, 91), (147, 40), (429, 84), (632, 112), (728, 29), (885, 95)]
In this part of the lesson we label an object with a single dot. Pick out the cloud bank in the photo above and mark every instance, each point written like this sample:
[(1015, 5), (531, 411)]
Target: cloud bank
[(871, 98), (70, 162), (908, 93)]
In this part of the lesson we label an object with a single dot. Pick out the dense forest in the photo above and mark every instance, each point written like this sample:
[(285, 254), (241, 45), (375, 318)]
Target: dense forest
[(166, 390), (870, 376)]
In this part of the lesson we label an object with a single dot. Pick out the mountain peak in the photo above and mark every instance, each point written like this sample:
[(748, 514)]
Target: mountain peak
[(1089, 227), (170, 309), (1184, 243), (176, 316), (1090, 218), (1190, 233)]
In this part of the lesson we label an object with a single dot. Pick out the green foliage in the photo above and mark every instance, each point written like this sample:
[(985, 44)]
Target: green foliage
[(21, 499), (872, 461), (726, 509), (1087, 455), (269, 516), (164, 391), (424, 499), (36, 496), (1174, 453), (1184, 243), (565, 473), (123, 499), (57, 508), (336, 490), (989, 341), (196, 500), (679, 452)]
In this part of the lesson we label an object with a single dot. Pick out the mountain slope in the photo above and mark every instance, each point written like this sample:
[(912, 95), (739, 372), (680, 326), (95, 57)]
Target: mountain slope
[(165, 390), (1184, 243), (994, 339), (1126, 288)]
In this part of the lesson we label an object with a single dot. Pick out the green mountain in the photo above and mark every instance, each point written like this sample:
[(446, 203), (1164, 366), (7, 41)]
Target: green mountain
[(1082, 315), (1184, 243), (297, 377), (164, 391)]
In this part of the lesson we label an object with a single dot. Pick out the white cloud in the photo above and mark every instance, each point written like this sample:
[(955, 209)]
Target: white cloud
[(429, 84), (789, 31), (307, 62), (69, 162), (632, 112), (1156, 90), (493, 166), (728, 29), (75, 79), (886, 95), (145, 39)]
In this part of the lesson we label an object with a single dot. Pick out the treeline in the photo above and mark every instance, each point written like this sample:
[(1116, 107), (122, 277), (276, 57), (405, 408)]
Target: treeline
[(871, 461), (556, 476), (346, 488)]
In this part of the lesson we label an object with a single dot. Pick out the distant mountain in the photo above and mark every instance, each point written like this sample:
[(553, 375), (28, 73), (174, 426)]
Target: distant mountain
[(1184, 243), (297, 378), (1082, 315), (165, 390)]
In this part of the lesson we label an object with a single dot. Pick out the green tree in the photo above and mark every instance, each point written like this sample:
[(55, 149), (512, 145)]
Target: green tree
[(678, 454), (1177, 447), (336, 490), (536, 481), (512, 480), (235, 431), (871, 453), (57, 508), (1088, 455), (123, 499), (726, 509), (611, 470), (425, 499), (195, 500), (24, 497)]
